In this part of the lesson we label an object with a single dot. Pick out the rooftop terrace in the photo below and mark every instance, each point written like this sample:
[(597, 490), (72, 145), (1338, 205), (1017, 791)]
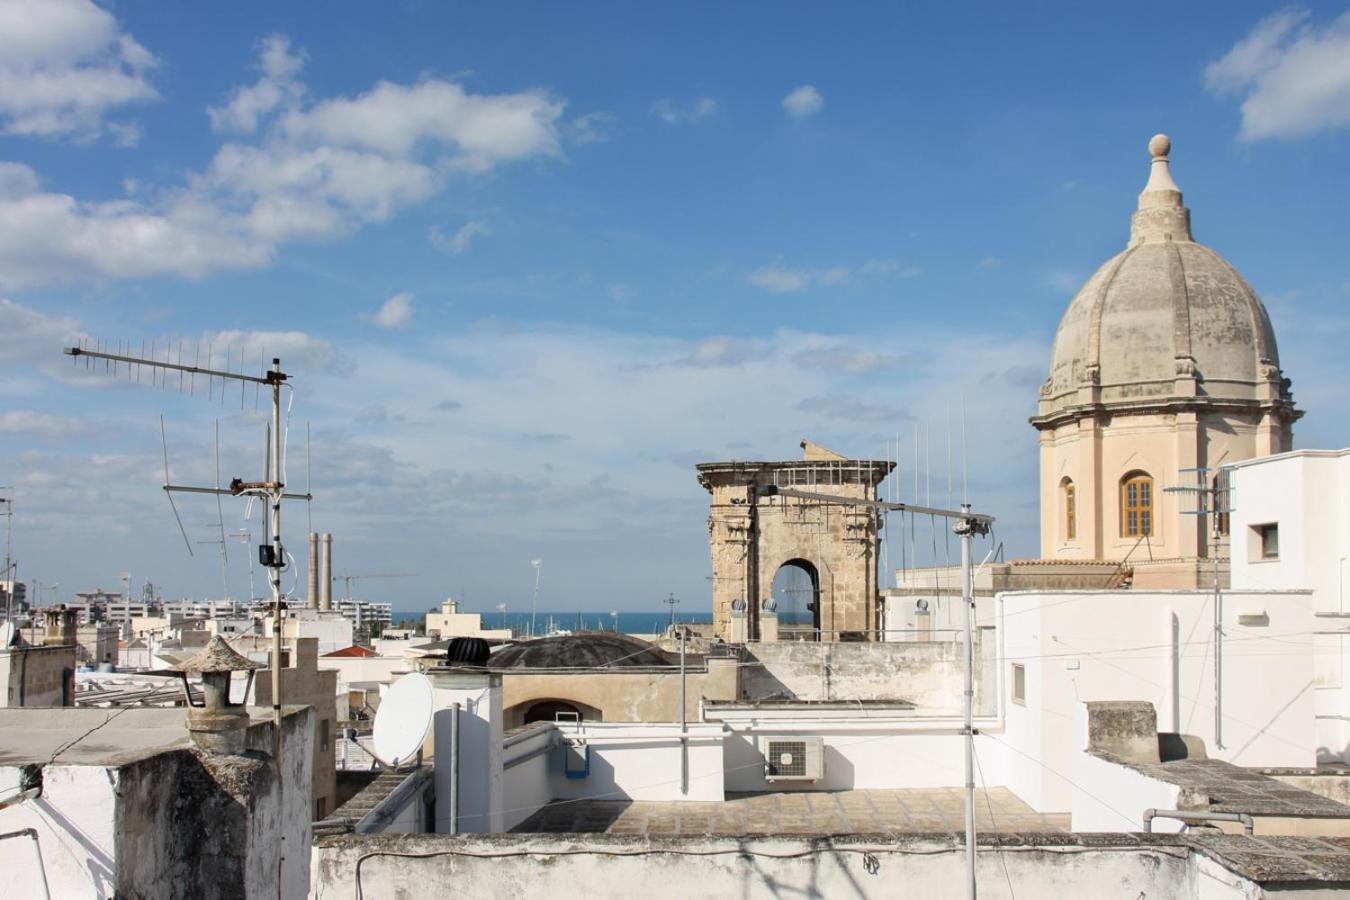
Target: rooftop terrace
[(912, 811)]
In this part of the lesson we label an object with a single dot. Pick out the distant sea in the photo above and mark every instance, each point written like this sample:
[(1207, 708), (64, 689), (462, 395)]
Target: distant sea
[(625, 622)]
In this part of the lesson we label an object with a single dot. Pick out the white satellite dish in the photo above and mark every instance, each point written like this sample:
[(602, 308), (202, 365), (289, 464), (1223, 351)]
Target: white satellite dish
[(404, 718), (6, 635)]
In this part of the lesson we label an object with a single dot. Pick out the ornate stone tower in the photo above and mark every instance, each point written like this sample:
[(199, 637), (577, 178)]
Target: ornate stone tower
[(1165, 360), (752, 536)]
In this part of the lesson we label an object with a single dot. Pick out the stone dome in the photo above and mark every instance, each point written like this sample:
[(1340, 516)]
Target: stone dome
[(1167, 320), (590, 650)]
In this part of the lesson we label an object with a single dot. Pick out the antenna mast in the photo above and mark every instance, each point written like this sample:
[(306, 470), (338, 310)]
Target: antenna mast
[(271, 555)]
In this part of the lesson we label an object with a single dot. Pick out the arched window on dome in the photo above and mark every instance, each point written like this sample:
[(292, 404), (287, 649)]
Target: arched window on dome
[(1070, 504), (1136, 505)]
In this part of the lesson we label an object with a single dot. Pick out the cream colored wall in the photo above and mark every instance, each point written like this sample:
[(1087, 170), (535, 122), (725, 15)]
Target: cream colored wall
[(620, 695), (1096, 455)]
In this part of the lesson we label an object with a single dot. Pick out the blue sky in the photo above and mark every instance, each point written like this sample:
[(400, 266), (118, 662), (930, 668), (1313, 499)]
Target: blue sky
[(529, 263)]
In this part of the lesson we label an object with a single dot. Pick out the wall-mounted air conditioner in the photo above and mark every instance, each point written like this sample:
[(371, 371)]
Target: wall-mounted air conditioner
[(793, 758)]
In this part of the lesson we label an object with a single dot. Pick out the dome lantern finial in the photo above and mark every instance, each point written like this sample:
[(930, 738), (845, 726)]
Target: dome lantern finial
[(1160, 172), (1161, 215)]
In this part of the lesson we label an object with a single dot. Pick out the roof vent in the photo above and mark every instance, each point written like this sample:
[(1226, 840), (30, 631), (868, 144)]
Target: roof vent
[(468, 651)]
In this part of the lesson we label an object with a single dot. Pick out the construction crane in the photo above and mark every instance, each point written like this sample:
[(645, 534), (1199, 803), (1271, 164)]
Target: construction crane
[(348, 579)]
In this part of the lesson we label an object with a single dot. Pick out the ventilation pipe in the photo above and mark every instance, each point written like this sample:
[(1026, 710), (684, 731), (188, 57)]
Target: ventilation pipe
[(312, 597), (326, 573)]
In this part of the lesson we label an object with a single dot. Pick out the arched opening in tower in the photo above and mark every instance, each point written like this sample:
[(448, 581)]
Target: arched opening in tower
[(796, 592)]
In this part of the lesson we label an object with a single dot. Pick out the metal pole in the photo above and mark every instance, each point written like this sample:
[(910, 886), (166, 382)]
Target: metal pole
[(534, 603), (684, 725), (9, 565), (454, 769), (1218, 643), (275, 490), (964, 528)]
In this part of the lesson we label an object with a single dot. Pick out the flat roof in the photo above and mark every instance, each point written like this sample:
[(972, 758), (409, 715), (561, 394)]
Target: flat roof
[(1229, 788), (863, 811), (80, 736)]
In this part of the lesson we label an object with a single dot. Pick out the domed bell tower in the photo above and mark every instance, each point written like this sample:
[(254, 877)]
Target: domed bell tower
[(1165, 360)]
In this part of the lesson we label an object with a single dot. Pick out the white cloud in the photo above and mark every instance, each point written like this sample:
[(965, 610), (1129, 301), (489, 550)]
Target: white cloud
[(277, 87), (851, 359), (852, 408), (396, 312), (786, 280), (314, 173), (592, 128), (63, 65), (673, 113), (780, 280), (989, 262), (803, 101), (297, 350), (28, 422), (459, 130), (30, 335), (457, 243), (1294, 77)]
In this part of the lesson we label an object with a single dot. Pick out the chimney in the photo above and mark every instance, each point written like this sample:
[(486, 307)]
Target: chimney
[(62, 624), (326, 573), (312, 598)]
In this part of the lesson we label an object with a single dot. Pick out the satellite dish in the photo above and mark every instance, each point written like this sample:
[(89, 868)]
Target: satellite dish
[(7, 635), (403, 719)]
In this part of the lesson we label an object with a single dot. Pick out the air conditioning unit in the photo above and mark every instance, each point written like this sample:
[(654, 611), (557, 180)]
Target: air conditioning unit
[(793, 758)]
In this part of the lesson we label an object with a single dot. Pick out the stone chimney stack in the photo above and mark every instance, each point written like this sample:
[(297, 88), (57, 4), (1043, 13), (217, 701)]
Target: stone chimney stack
[(326, 573), (312, 596), (61, 627)]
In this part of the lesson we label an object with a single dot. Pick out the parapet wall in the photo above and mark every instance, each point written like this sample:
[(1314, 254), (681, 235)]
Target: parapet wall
[(413, 867), (925, 673)]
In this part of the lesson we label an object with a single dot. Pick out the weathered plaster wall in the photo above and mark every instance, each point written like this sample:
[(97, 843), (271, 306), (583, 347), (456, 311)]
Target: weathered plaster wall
[(37, 676), (303, 683), (928, 674), (657, 868), (174, 824), (621, 695)]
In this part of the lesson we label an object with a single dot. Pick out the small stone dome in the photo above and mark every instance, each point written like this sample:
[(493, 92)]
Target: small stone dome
[(1166, 319), (579, 651)]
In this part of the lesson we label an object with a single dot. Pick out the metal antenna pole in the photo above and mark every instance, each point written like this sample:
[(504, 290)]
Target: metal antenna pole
[(534, 603), (9, 563), (274, 490), (966, 528), (1218, 638), (271, 489)]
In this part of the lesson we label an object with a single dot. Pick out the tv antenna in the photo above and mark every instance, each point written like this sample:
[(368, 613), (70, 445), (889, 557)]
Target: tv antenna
[(272, 488), (1210, 500), (671, 601), (348, 579)]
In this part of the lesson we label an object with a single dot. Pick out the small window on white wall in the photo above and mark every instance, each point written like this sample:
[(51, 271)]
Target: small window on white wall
[(1019, 684), (1265, 542)]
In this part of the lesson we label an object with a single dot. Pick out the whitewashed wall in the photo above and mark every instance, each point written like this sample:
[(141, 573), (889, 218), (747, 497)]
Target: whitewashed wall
[(1307, 494), (1081, 646)]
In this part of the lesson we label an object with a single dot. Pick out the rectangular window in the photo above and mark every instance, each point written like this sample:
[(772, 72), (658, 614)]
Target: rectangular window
[(1019, 684), (1269, 537), (320, 808), (1136, 502), (1070, 513), (325, 726)]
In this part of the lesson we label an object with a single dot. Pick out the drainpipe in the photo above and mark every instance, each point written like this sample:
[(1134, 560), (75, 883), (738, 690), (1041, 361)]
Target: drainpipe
[(32, 833), (684, 724), (454, 769), (1181, 815)]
